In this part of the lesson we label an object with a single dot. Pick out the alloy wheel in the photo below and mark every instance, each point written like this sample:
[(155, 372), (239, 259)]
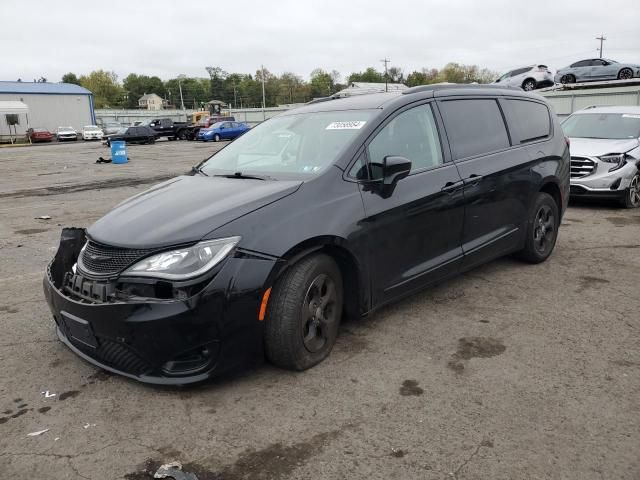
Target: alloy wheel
[(318, 312), (529, 86), (544, 229), (625, 74), (634, 191)]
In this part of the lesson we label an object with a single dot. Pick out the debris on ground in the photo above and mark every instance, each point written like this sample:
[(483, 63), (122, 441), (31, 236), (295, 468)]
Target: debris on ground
[(103, 160), (87, 425), (173, 470), (39, 432), (43, 217), (48, 394)]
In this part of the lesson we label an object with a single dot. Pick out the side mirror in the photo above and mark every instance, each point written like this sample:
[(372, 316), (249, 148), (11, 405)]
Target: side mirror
[(395, 169)]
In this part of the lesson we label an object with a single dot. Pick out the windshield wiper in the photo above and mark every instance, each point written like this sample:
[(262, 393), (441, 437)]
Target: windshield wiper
[(241, 175)]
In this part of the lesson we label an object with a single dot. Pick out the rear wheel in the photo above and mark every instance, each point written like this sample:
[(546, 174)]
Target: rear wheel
[(542, 229), (568, 78), (625, 74), (304, 313), (632, 194), (182, 135), (216, 138), (529, 84)]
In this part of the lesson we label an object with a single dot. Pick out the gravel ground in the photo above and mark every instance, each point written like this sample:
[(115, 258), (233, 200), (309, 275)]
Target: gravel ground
[(510, 371)]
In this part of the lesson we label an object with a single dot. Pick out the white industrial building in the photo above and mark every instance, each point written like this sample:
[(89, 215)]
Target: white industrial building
[(52, 105)]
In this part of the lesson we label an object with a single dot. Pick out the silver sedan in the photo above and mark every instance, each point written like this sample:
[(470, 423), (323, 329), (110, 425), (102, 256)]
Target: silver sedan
[(596, 69)]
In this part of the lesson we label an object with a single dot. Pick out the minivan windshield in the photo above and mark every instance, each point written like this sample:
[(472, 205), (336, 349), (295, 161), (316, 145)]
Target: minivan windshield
[(603, 125), (291, 145)]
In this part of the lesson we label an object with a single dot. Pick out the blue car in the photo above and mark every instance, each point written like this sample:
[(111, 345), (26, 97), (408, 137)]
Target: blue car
[(222, 131)]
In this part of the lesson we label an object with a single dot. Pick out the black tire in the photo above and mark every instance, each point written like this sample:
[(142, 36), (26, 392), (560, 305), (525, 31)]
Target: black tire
[(568, 78), (528, 85), (542, 229), (182, 135), (304, 313), (625, 74), (151, 141), (632, 194), (216, 138)]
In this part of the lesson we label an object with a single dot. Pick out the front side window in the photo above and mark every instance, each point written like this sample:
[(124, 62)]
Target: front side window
[(474, 127), (298, 145), (616, 126), (411, 134)]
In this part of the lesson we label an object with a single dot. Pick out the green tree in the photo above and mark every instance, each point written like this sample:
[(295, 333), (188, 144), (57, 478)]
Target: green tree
[(70, 78), (322, 84), (423, 77), (195, 91), (369, 75), (107, 92), (216, 83)]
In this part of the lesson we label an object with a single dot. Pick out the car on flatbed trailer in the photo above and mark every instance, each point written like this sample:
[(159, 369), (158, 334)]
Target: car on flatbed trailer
[(165, 127)]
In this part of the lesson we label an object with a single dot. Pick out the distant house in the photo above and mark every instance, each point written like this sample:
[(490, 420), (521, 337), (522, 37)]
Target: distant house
[(151, 101)]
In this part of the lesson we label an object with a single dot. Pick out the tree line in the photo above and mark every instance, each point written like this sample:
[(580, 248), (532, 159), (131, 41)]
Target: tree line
[(245, 90)]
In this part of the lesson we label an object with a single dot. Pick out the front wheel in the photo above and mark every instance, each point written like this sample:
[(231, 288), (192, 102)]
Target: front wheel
[(304, 313), (529, 85), (542, 229), (216, 138), (632, 194), (625, 74)]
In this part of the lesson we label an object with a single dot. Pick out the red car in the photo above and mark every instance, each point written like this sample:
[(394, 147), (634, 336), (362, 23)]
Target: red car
[(39, 135)]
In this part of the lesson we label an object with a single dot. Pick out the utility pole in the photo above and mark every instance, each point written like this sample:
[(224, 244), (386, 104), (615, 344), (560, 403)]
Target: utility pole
[(386, 75), (602, 39), (264, 104), (180, 77)]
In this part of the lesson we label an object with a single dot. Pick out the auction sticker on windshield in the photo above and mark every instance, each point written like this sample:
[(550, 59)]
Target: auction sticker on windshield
[(352, 125)]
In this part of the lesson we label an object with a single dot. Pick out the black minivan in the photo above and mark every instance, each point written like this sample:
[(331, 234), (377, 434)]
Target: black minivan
[(332, 209)]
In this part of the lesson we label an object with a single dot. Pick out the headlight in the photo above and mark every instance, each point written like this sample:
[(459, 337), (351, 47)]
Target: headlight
[(184, 263), (618, 159)]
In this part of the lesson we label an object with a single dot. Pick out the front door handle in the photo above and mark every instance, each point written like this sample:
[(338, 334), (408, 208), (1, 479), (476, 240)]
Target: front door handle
[(451, 187), (472, 180)]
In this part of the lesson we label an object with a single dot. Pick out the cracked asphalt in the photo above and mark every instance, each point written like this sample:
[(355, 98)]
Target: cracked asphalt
[(510, 371)]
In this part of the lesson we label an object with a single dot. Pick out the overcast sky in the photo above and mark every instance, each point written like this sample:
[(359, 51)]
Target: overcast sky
[(170, 37)]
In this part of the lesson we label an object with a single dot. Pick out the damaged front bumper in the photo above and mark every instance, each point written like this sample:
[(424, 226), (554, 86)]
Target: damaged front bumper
[(176, 340)]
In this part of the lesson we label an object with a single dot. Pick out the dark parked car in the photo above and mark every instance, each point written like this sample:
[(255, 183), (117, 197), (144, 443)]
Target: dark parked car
[(332, 209), (139, 134), (39, 135)]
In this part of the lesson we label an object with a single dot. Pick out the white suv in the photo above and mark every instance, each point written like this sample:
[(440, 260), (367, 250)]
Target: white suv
[(528, 78), (605, 153)]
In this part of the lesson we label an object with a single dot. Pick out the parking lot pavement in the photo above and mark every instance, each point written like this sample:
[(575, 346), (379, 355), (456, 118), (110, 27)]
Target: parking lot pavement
[(510, 371)]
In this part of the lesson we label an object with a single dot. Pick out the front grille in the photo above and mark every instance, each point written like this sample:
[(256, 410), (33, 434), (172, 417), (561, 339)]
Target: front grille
[(105, 260), (581, 167), (115, 355)]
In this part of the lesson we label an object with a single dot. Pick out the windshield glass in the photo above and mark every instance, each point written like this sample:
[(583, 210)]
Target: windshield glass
[(121, 131), (603, 125), (300, 145), (91, 129)]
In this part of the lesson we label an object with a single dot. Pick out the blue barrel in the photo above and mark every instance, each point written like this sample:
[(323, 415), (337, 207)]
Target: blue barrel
[(119, 152)]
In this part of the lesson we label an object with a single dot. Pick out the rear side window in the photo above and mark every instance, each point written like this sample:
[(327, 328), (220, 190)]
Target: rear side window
[(474, 127), (520, 70), (529, 121)]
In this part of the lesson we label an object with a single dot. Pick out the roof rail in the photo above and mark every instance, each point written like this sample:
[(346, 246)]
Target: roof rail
[(442, 86)]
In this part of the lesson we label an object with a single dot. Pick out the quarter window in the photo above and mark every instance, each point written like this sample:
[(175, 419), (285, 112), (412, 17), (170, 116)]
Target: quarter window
[(474, 127), (530, 119), (411, 134)]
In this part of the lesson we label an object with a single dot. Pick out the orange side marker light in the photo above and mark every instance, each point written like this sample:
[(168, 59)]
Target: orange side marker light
[(263, 305)]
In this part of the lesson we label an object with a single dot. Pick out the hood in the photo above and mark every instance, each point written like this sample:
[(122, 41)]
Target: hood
[(184, 209), (595, 147)]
